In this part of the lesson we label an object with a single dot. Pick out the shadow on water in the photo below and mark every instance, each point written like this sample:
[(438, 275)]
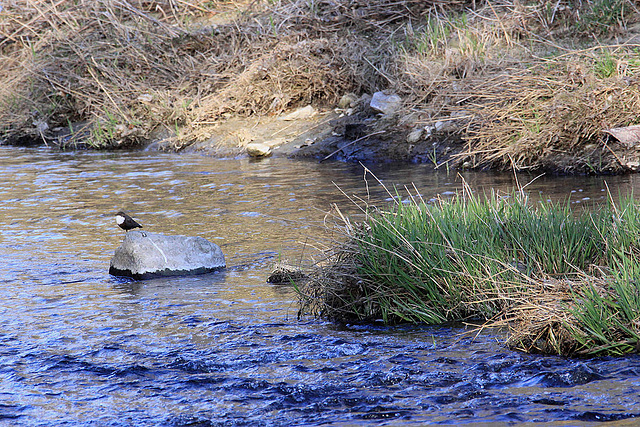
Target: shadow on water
[(226, 348)]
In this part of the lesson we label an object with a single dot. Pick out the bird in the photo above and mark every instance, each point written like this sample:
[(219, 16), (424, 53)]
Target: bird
[(125, 222)]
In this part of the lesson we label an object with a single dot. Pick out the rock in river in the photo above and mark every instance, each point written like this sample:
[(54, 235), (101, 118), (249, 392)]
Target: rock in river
[(144, 255)]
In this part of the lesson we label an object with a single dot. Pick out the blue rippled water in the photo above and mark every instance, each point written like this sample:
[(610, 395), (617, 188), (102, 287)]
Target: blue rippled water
[(80, 347)]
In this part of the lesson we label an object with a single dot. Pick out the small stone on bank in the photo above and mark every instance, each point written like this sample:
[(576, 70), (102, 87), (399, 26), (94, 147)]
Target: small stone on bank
[(348, 100), (628, 135), (414, 136), (385, 103), (258, 149), (301, 113)]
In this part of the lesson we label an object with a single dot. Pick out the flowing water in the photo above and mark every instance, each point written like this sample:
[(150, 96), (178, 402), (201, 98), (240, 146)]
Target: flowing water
[(80, 347)]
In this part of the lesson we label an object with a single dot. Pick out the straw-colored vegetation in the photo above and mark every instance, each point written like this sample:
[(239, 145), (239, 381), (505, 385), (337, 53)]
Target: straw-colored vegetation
[(564, 282), (524, 84)]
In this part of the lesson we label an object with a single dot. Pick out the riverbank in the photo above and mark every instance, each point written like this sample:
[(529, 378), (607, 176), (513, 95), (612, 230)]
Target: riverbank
[(499, 85), (563, 282)]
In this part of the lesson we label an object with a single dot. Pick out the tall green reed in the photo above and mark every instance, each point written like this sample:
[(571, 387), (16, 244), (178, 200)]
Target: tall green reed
[(608, 317), (468, 257)]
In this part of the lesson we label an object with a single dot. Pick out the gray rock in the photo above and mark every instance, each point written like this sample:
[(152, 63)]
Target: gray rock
[(286, 274), (364, 103), (414, 136), (628, 135), (348, 100), (385, 103), (258, 149), (300, 113), (438, 127), (145, 255)]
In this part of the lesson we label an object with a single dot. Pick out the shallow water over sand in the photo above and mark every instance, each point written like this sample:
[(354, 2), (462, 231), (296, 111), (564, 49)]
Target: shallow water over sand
[(81, 347)]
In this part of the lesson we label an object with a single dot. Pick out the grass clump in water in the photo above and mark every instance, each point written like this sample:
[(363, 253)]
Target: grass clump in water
[(564, 282)]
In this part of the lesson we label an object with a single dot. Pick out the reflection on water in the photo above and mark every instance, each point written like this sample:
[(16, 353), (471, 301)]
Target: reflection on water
[(82, 347)]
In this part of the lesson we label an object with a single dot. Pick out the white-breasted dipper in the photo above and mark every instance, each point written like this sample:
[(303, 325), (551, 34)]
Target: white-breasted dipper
[(125, 222)]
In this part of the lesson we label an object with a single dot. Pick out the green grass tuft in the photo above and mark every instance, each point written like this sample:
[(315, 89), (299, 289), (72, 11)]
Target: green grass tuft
[(568, 278)]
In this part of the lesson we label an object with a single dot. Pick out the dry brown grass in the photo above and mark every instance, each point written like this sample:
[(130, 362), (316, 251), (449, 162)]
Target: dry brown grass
[(109, 65), (127, 68), (507, 74), (551, 114), (522, 98), (541, 323)]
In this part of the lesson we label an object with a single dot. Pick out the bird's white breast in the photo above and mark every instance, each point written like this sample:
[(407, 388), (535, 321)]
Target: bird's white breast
[(119, 219)]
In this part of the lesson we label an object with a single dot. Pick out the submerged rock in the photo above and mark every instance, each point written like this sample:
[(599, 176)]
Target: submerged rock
[(286, 274), (145, 255)]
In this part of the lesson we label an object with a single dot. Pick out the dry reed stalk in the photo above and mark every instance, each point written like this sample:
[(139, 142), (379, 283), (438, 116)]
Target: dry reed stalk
[(541, 322)]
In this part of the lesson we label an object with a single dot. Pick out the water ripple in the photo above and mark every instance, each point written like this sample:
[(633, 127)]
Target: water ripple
[(79, 347)]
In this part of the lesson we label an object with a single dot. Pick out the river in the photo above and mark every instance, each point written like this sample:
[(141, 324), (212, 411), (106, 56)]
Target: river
[(80, 347)]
